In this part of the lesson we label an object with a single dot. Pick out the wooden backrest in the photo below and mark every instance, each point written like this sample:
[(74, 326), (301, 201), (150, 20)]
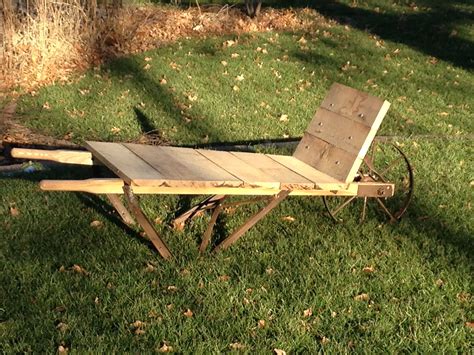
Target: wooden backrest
[(337, 139)]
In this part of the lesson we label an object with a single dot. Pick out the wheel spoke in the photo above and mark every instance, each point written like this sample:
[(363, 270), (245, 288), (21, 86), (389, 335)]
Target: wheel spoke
[(364, 207), (344, 204), (391, 165), (392, 218)]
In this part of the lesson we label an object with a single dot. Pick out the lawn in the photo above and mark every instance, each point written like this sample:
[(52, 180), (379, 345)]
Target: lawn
[(301, 285)]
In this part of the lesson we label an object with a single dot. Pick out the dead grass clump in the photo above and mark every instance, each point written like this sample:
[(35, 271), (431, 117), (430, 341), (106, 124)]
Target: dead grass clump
[(44, 41), (49, 39)]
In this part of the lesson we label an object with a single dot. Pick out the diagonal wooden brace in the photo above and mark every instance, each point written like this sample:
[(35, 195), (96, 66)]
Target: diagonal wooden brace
[(252, 221), (134, 206), (207, 235), (121, 209), (208, 202)]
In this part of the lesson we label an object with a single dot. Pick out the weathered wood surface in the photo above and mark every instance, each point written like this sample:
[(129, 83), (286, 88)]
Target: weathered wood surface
[(114, 186), (338, 137), (59, 155)]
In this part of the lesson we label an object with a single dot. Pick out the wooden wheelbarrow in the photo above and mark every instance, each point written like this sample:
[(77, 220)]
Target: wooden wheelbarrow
[(326, 162)]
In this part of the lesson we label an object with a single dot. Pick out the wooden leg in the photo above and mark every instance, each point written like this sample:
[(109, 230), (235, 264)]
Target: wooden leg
[(212, 200), (132, 201), (207, 235), (252, 221), (121, 209)]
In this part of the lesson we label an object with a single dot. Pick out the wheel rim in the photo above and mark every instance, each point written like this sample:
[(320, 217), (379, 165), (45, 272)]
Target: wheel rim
[(383, 163)]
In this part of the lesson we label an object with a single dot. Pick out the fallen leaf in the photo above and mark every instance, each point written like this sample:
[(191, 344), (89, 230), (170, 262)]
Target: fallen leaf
[(165, 348), (188, 313), (440, 283), (325, 340), (14, 211), (308, 312), (261, 324), (137, 324), (234, 55), (163, 81), (172, 288), (115, 130), (284, 118), (178, 226), (150, 267), (229, 43), (362, 297), (147, 66), (224, 278), (139, 331), (62, 269), (443, 113), (79, 269), (236, 346), (368, 269), (46, 106), (96, 224), (279, 351), (288, 218), (302, 40), (148, 59), (192, 97), (223, 62), (62, 349), (239, 77), (97, 300), (269, 271), (469, 325), (235, 88)]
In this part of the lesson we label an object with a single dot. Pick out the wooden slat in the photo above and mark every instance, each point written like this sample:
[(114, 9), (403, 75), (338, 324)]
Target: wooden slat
[(183, 167), (338, 130), (251, 176), (58, 155), (327, 158), (353, 104), (114, 186), (288, 178), (123, 162), (320, 180)]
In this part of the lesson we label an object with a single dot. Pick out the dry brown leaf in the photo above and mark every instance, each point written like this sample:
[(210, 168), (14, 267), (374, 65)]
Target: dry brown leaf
[(308, 312), (137, 324), (148, 59), (165, 348), (79, 269), (63, 350), (96, 224), (172, 288), (188, 313), (302, 40), (362, 297), (224, 278), (279, 351), (235, 88), (115, 130), (239, 77), (147, 66), (14, 211), (178, 226), (325, 340), (150, 267), (163, 81), (62, 268), (440, 283), (236, 346), (469, 325), (289, 218), (223, 62), (269, 271), (235, 55), (261, 324), (368, 269), (139, 331), (284, 118), (46, 106)]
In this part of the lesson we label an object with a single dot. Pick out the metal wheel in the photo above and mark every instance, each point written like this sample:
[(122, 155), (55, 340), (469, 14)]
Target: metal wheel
[(383, 163)]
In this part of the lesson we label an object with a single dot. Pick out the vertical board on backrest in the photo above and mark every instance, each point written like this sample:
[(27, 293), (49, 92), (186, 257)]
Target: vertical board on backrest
[(337, 139)]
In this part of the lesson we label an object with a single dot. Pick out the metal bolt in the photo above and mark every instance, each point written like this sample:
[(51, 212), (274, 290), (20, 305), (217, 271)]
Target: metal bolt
[(361, 115)]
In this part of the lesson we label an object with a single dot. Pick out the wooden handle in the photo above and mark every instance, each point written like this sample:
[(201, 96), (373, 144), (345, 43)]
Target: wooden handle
[(59, 155)]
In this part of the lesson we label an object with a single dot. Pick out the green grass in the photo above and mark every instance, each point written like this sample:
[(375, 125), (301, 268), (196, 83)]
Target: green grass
[(421, 290)]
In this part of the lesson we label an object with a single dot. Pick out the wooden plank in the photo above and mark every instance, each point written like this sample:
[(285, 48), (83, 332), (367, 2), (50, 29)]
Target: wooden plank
[(288, 178), (338, 130), (320, 179), (352, 103), (182, 167), (114, 186), (58, 155), (250, 175), (123, 162), (327, 158)]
